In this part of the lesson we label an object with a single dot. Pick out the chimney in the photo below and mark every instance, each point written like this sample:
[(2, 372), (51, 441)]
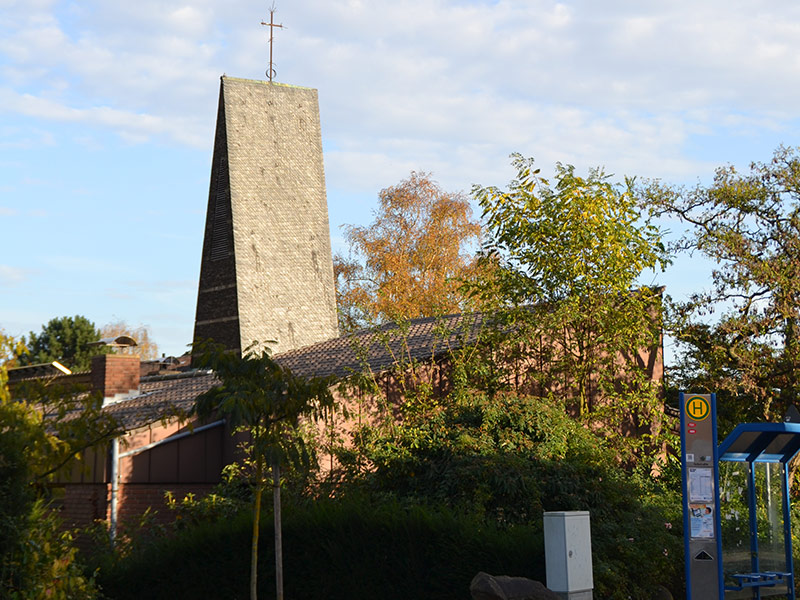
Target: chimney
[(116, 376)]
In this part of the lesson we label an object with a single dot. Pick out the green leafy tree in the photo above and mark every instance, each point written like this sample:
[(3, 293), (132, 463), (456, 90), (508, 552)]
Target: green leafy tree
[(268, 402), (741, 337), (42, 429), (66, 340), (568, 258), (407, 262)]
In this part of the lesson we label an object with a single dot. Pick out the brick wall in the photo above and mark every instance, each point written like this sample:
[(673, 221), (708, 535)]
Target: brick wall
[(114, 374), (85, 503)]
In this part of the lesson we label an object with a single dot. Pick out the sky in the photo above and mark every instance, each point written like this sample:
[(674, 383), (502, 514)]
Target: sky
[(107, 113)]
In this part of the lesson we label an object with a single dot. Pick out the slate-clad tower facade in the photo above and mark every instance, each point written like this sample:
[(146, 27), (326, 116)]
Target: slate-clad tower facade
[(266, 271)]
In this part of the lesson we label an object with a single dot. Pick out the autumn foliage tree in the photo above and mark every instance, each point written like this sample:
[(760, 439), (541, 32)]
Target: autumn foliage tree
[(407, 263), (145, 347)]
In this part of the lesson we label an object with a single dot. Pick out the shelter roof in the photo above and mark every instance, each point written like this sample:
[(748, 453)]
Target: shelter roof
[(761, 442)]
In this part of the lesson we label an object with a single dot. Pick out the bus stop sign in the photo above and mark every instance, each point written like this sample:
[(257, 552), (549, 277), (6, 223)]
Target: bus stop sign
[(700, 477)]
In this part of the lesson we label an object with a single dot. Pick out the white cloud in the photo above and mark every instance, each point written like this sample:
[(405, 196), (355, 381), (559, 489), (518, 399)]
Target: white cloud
[(449, 86), (135, 127), (12, 275), (25, 138), (432, 69)]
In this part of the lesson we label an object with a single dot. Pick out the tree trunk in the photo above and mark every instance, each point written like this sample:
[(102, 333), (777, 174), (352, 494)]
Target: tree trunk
[(256, 523), (276, 499)]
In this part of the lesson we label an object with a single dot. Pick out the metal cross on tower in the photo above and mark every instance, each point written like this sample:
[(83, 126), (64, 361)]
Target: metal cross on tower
[(270, 73)]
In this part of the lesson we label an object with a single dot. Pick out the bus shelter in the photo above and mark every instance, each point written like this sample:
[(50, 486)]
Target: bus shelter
[(754, 512)]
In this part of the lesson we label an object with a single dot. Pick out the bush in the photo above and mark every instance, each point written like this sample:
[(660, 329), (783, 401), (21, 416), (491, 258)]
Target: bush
[(333, 549), (460, 492), (507, 459), (43, 564), (37, 558)]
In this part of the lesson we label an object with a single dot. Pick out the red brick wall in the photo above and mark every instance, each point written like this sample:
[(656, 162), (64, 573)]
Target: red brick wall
[(85, 503), (115, 374), (136, 498)]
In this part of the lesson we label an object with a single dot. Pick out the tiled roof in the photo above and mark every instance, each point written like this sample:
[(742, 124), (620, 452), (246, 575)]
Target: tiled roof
[(162, 397), (376, 349), (381, 347)]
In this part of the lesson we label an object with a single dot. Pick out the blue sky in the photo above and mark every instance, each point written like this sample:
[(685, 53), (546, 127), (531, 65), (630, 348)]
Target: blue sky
[(107, 111)]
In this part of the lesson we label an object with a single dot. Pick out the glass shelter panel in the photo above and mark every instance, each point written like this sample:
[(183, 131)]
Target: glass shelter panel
[(735, 524), (741, 554), (769, 511)]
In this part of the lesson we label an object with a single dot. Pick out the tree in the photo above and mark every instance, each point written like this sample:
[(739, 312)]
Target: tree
[(267, 401), (749, 225), (408, 261), (66, 340), (42, 430), (568, 259), (145, 347), (10, 351)]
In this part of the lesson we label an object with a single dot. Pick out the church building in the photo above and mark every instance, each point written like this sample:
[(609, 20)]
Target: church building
[(266, 276)]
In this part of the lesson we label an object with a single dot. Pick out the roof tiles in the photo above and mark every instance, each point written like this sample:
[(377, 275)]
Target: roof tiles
[(376, 349)]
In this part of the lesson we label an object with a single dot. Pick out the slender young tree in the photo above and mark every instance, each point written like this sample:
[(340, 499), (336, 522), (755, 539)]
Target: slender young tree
[(568, 257), (258, 396)]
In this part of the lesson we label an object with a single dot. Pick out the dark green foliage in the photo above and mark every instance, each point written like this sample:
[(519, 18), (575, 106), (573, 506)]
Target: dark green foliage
[(359, 547), (748, 223), (475, 454), (334, 549), (16, 496), (43, 563), (64, 339), (507, 459), (450, 495)]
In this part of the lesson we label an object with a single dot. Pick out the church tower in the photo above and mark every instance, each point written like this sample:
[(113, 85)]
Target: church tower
[(266, 273)]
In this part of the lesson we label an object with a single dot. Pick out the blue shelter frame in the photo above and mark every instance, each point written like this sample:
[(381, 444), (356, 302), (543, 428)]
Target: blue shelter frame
[(753, 443)]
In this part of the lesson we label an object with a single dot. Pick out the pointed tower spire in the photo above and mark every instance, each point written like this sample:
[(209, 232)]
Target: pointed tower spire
[(266, 271)]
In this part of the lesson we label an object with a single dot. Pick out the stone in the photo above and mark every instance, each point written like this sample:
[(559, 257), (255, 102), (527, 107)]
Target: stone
[(661, 593), (502, 587)]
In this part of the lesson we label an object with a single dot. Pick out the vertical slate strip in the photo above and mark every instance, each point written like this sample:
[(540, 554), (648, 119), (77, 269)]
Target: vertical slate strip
[(221, 231), (217, 315)]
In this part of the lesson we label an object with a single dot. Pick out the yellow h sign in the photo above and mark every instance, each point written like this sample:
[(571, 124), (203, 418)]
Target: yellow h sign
[(698, 407)]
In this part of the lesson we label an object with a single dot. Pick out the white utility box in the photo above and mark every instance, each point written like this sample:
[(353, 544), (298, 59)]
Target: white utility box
[(568, 554)]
